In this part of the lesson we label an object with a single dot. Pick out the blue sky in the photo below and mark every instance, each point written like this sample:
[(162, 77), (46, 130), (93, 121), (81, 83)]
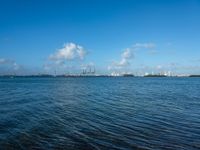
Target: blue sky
[(135, 36)]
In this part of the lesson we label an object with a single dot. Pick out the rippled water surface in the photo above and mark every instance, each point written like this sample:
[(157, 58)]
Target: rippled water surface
[(100, 113)]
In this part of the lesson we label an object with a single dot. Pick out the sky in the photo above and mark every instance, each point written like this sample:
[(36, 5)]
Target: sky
[(112, 36)]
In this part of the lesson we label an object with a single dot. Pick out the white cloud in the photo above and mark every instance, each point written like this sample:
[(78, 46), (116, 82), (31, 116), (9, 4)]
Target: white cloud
[(128, 54), (70, 51), (123, 62), (66, 59)]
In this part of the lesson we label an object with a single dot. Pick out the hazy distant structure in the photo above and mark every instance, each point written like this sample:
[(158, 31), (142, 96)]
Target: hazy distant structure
[(89, 70), (163, 73)]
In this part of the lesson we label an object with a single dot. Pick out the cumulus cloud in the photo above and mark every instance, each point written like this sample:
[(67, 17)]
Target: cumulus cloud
[(66, 59), (126, 57), (70, 51), (128, 54)]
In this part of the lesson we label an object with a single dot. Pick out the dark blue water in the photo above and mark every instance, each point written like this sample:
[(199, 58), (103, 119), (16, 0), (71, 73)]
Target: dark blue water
[(100, 113)]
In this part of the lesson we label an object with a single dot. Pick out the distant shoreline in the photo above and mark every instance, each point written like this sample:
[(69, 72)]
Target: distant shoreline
[(87, 76)]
